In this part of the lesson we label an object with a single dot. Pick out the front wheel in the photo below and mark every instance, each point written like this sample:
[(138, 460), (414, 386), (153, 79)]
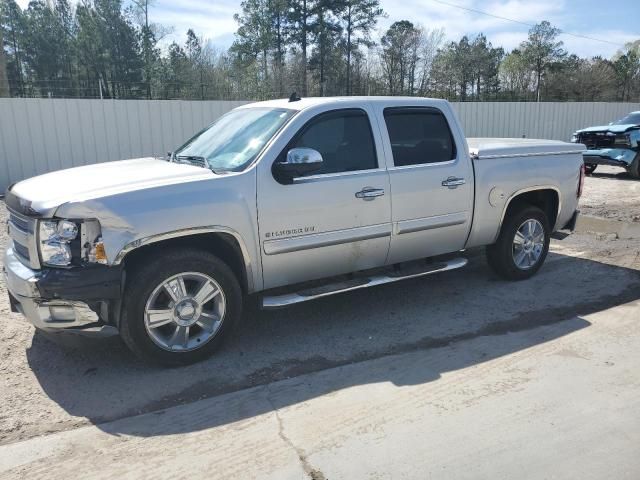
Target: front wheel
[(522, 245), (178, 309), (634, 168)]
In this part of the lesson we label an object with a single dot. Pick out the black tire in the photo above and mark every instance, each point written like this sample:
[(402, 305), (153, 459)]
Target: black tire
[(500, 255), (634, 169), (143, 282), (589, 168)]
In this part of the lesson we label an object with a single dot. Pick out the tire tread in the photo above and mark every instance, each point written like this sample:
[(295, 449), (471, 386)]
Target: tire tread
[(142, 282), (499, 255)]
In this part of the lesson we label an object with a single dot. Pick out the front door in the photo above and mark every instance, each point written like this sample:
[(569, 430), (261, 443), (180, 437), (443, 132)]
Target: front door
[(431, 180), (336, 220)]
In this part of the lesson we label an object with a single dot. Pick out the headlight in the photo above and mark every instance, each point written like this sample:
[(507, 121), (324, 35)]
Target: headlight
[(55, 253), (67, 230), (624, 140), (55, 237), (60, 241)]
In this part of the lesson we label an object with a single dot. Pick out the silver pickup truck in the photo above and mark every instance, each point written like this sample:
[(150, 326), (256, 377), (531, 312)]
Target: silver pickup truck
[(292, 200)]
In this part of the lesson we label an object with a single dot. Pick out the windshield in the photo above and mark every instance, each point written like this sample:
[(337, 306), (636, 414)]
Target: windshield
[(631, 119), (235, 139)]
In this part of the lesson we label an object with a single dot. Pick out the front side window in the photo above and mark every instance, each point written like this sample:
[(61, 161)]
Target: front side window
[(419, 135), (235, 139), (343, 138)]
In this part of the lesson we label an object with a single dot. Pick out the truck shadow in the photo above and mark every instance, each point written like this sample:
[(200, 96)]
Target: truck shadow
[(617, 175), (103, 382)]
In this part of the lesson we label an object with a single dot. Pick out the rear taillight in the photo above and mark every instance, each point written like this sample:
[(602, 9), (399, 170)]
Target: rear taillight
[(581, 181)]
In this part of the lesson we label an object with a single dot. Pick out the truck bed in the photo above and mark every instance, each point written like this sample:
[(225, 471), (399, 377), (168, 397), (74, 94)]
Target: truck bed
[(484, 148), (505, 167)]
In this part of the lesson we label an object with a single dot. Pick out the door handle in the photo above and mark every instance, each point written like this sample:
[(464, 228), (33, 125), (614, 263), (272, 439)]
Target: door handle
[(453, 182), (369, 193)]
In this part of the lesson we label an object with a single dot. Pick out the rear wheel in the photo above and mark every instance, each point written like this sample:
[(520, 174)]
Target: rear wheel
[(522, 245), (589, 168), (178, 310)]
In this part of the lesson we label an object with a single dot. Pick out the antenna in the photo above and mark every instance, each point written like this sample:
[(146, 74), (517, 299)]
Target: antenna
[(294, 97)]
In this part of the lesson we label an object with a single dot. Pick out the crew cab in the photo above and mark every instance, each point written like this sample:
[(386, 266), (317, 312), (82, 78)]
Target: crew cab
[(288, 201)]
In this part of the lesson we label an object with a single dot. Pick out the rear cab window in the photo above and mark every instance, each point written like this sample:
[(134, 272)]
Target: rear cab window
[(419, 135)]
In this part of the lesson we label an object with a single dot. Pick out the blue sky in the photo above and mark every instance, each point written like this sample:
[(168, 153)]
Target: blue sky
[(616, 21)]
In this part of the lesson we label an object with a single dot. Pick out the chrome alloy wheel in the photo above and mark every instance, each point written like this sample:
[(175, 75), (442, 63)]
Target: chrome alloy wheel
[(185, 311), (528, 244)]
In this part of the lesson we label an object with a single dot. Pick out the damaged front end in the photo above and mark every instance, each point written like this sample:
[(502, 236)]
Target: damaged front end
[(55, 273), (616, 145)]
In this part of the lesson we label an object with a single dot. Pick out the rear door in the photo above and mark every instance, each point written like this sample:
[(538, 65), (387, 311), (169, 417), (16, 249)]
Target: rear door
[(431, 181), (324, 224)]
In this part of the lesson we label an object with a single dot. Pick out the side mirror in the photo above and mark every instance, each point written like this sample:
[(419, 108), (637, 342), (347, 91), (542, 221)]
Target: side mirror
[(299, 162)]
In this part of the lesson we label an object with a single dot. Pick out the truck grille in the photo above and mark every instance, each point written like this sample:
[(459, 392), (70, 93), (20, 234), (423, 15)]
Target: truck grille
[(595, 141), (22, 251), (22, 232), (21, 222)]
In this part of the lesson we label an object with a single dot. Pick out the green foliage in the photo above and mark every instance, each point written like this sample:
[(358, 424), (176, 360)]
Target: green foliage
[(4, 79), (542, 51), (399, 57), (14, 34), (326, 34), (626, 65), (358, 17), (111, 49)]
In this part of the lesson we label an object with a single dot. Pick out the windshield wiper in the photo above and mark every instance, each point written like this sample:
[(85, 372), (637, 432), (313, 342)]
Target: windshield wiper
[(197, 161), (192, 159)]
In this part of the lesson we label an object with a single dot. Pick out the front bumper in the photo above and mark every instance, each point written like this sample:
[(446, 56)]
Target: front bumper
[(617, 157), (49, 314)]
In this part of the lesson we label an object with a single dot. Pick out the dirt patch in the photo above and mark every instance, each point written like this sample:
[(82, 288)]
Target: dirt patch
[(611, 193)]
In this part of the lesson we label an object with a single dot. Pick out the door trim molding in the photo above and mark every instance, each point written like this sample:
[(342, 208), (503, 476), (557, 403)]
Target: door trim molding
[(429, 223), (326, 239)]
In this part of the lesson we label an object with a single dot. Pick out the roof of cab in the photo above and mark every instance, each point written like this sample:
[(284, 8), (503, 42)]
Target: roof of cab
[(308, 102)]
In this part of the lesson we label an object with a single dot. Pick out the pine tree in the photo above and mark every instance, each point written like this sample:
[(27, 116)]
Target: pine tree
[(4, 79), (359, 17), (254, 40), (542, 50), (13, 25), (325, 31)]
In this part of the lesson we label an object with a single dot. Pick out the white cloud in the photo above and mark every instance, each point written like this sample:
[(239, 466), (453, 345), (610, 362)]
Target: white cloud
[(458, 22), (214, 20), (590, 48), (508, 40), (507, 34)]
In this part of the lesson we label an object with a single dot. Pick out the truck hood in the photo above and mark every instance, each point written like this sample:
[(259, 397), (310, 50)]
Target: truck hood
[(609, 128), (44, 193)]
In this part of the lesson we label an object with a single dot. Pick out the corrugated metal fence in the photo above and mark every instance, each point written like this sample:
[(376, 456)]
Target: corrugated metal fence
[(41, 135), (550, 120)]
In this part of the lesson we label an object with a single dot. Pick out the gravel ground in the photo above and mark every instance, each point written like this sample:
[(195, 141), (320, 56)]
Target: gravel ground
[(611, 193), (48, 386)]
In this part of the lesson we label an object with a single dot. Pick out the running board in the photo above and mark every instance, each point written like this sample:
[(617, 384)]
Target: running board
[(279, 301)]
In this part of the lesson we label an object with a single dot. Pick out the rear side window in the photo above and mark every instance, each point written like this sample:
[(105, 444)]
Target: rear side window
[(419, 135), (344, 139)]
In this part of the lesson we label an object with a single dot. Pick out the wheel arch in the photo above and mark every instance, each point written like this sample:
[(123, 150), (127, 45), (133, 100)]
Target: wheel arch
[(223, 242), (545, 197)]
